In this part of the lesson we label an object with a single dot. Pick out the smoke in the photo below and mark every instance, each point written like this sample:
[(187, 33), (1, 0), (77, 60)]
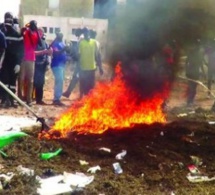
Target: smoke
[(140, 32)]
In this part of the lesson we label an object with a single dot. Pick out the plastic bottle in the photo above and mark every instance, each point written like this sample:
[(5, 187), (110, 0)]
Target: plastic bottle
[(48, 155), (10, 138)]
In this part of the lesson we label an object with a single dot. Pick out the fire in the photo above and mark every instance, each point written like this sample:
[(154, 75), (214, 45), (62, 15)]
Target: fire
[(110, 105)]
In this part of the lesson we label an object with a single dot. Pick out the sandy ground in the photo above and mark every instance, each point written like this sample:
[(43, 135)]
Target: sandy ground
[(157, 160)]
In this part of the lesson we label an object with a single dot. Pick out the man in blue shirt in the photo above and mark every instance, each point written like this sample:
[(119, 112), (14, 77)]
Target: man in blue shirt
[(58, 66)]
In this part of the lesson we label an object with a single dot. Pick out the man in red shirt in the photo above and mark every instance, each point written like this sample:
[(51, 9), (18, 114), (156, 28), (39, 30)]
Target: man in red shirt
[(31, 40)]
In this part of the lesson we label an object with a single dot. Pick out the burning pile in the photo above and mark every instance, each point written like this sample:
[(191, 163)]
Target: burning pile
[(111, 105)]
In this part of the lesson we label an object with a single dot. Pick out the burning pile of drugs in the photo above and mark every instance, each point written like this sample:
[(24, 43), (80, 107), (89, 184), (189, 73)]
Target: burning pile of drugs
[(111, 105)]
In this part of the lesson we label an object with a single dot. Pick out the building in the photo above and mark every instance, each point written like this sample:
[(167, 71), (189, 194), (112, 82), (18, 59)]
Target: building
[(64, 16)]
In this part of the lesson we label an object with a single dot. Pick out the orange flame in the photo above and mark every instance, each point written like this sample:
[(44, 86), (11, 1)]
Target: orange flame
[(109, 106)]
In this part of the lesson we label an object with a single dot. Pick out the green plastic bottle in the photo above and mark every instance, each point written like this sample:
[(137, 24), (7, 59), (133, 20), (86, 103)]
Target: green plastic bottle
[(48, 155), (10, 138)]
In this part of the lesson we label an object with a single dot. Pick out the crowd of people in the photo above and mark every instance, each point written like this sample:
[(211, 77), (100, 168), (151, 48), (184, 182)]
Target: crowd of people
[(199, 67), (25, 57)]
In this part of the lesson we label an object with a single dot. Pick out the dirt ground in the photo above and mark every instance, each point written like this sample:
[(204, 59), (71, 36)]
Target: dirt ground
[(157, 159)]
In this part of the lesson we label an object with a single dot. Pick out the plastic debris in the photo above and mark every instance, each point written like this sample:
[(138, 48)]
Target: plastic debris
[(60, 184), (5, 180), (48, 173), (192, 134), (54, 179), (187, 139), (48, 155), (196, 160), (192, 112), (193, 169), (83, 162), (152, 155), (199, 178), (117, 168), (14, 124), (94, 169), (25, 171), (121, 155), (10, 137), (196, 176), (181, 164), (7, 176), (50, 189), (77, 179), (105, 149), (185, 114), (1, 167), (211, 122), (51, 186), (182, 115)]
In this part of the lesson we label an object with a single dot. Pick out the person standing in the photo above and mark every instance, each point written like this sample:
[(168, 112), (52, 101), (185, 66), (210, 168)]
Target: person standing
[(7, 15), (75, 61), (210, 53), (89, 60), (16, 25), (93, 35), (58, 64), (42, 64), (193, 68), (13, 58), (31, 40), (3, 46)]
